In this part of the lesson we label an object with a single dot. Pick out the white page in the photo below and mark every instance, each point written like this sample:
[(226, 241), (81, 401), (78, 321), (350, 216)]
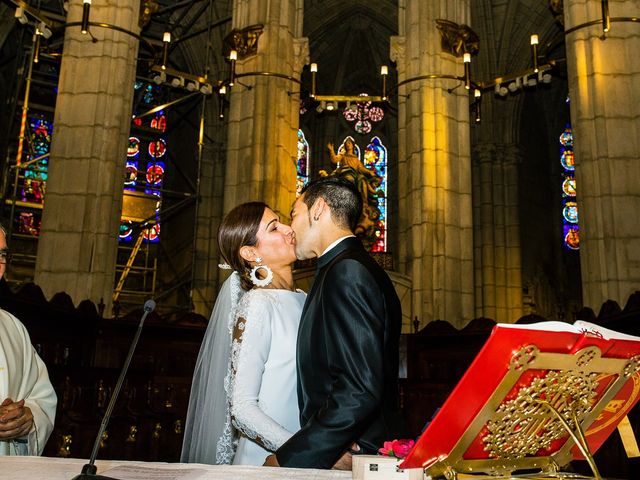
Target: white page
[(605, 332), (140, 472), (579, 326), (551, 326)]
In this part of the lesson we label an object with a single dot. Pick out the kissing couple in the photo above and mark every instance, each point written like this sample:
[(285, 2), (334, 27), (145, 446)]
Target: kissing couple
[(289, 379)]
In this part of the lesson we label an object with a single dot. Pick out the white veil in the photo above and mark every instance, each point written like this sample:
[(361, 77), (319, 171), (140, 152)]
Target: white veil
[(209, 436)]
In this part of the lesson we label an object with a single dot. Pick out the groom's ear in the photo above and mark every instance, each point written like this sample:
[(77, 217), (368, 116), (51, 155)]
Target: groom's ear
[(318, 208), (248, 253)]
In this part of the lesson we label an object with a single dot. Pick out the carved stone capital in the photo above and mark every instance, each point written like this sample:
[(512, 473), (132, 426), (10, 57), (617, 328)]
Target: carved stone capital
[(511, 154), (244, 41), (457, 39), (484, 152), (300, 53), (397, 48), (147, 8), (557, 8)]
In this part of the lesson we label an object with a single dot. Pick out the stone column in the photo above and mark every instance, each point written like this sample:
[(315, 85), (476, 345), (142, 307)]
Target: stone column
[(206, 274), (498, 269), (79, 236), (604, 81), (435, 219), (264, 114), (513, 308)]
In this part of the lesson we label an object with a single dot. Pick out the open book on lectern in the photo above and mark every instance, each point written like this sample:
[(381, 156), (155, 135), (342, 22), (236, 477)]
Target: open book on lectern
[(527, 389)]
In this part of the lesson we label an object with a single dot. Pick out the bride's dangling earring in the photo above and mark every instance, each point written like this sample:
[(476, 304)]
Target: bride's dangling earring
[(258, 282)]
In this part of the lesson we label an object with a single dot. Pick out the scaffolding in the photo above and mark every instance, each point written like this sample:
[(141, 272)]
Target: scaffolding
[(23, 196)]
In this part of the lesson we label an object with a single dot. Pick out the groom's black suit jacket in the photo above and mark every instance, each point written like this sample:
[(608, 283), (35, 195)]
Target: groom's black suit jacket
[(347, 360)]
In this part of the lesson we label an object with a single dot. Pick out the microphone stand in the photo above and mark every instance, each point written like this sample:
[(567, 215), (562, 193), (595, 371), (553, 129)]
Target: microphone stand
[(89, 470)]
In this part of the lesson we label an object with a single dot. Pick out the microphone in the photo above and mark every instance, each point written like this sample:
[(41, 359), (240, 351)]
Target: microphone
[(89, 470)]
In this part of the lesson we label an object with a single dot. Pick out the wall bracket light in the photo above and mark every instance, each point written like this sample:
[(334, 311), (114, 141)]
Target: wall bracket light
[(606, 20), (86, 8), (166, 40)]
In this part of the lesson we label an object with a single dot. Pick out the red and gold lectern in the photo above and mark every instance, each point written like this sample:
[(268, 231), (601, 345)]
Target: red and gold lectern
[(535, 398)]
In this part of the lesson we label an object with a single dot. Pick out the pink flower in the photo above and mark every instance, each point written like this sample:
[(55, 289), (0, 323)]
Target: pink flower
[(402, 447), (387, 449), (397, 448)]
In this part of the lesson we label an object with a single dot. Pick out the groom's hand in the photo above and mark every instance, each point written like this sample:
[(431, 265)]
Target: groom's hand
[(346, 460), (271, 461)]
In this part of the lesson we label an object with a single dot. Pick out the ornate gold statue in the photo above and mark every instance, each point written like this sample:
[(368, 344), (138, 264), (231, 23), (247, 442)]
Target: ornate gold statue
[(367, 181)]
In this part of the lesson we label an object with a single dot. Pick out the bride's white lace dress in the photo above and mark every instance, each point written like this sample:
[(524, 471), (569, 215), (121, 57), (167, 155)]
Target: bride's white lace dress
[(261, 383)]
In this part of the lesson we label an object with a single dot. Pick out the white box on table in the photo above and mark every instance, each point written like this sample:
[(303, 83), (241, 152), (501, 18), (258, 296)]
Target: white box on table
[(380, 467)]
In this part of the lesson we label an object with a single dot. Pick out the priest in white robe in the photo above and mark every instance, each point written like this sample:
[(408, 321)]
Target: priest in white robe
[(28, 405)]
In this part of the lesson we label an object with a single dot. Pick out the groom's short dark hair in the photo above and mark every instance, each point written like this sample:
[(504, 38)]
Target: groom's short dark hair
[(342, 196)]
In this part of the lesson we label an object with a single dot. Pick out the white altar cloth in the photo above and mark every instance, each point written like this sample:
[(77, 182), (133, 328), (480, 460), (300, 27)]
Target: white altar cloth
[(41, 468)]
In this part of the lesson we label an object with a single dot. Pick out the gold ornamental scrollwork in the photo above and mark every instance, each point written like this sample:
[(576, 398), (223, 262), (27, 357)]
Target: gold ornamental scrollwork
[(244, 41), (457, 39), (586, 356), (632, 367), (523, 357), (523, 426)]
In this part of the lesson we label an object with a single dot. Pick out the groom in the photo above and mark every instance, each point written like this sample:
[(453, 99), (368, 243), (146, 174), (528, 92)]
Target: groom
[(348, 339)]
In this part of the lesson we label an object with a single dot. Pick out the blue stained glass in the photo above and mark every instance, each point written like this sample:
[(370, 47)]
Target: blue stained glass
[(126, 231), (571, 233), (376, 157), (302, 165), (149, 94), (32, 186), (150, 177), (131, 174), (155, 174), (567, 160), (566, 137), (570, 212)]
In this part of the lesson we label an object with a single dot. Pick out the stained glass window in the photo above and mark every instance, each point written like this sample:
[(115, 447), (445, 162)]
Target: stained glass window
[(131, 174), (32, 181), (36, 172), (144, 165), (370, 177), (356, 148), (133, 150), (149, 94), (363, 115), (302, 165), (159, 122), (375, 158), (155, 172), (153, 179), (126, 231), (157, 148), (571, 230)]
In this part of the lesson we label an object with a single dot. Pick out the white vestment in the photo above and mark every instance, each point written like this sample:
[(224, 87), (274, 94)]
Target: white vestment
[(23, 375)]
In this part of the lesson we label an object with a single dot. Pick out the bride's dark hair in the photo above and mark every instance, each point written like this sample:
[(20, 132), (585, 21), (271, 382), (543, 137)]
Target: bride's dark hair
[(239, 228)]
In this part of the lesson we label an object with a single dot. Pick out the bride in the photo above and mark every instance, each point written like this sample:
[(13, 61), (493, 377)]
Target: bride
[(243, 403)]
